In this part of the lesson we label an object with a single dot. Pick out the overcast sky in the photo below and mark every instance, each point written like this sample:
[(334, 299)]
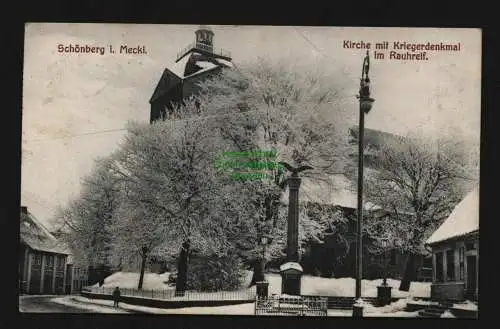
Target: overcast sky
[(75, 106)]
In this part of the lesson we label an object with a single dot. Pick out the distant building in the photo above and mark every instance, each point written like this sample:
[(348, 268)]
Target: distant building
[(341, 191), (196, 62), (45, 262), (455, 250), (77, 275)]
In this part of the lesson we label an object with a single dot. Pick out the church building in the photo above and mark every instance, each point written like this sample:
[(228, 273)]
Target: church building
[(197, 61)]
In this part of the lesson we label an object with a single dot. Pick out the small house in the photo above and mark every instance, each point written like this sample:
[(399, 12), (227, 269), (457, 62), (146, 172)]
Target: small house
[(42, 259), (455, 250)]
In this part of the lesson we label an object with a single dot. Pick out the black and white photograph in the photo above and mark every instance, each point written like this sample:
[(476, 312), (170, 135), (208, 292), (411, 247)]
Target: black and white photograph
[(268, 171)]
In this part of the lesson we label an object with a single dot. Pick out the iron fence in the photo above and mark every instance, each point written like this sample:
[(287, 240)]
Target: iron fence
[(170, 294), (199, 46), (291, 305)]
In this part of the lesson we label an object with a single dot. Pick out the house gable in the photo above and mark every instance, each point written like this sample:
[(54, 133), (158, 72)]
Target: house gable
[(463, 220)]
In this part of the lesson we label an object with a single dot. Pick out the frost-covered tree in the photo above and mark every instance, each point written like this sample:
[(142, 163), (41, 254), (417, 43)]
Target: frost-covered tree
[(168, 171), (137, 230), (417, 181), (268, 106), (88, 218)]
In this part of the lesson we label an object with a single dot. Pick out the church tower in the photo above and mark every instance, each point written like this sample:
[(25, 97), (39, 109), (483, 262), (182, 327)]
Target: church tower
[(197, 61)]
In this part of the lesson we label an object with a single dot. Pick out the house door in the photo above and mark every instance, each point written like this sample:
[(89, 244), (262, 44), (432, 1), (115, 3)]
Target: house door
[(471, 276)]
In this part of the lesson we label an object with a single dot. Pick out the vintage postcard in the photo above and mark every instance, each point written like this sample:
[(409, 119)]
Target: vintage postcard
[(250, 170)]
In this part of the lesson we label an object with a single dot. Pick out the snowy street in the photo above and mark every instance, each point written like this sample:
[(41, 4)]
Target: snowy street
[(58, 304), (44, 304)]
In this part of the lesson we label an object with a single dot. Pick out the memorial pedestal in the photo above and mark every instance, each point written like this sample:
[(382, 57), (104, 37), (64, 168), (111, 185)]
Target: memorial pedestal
[(291, 278), (384, 295)]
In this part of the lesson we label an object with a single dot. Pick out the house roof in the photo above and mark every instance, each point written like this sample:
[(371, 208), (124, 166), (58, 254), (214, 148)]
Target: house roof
[(43, 244), (463, 219), (35, 235)]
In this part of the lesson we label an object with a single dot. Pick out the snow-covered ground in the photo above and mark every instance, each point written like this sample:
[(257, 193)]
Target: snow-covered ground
[(105, 306), (241, 309), (447, 314), (130, 280), (423, 302), (348, 313), (345, 287), (468, 305), (311, 285), (88, 304)]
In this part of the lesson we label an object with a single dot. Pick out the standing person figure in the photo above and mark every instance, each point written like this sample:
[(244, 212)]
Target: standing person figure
[(116, 297)]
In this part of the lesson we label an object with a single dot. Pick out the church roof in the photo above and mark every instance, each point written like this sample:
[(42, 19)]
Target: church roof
[(374, 137), (204, 62), (168, 80), (335, 190), (186, 68), (464, 219)]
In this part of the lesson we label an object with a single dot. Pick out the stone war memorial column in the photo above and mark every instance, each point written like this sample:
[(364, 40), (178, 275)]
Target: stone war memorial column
[(291, 271)]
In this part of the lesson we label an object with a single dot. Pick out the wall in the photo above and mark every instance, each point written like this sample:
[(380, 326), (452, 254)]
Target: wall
[(36, 272), (454, 288), (448, 291), (44, 273), (169, 88)]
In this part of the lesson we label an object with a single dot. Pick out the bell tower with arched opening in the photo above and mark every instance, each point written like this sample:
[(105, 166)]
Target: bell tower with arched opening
[(204, 39)]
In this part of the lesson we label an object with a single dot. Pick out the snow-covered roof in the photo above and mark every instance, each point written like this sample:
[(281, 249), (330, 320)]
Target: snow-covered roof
[(30, 219), (206, 66), (463, 219), (224, 62), (335, 190), (43, 244), (34, 234), (180, 67)]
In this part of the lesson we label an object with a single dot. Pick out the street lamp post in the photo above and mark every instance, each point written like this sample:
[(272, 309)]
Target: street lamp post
[(365, 105)]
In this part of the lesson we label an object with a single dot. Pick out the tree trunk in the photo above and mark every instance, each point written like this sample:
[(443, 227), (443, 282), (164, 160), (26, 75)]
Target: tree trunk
[(258, 271), (409, 274), (180, 284), (143, 268)]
